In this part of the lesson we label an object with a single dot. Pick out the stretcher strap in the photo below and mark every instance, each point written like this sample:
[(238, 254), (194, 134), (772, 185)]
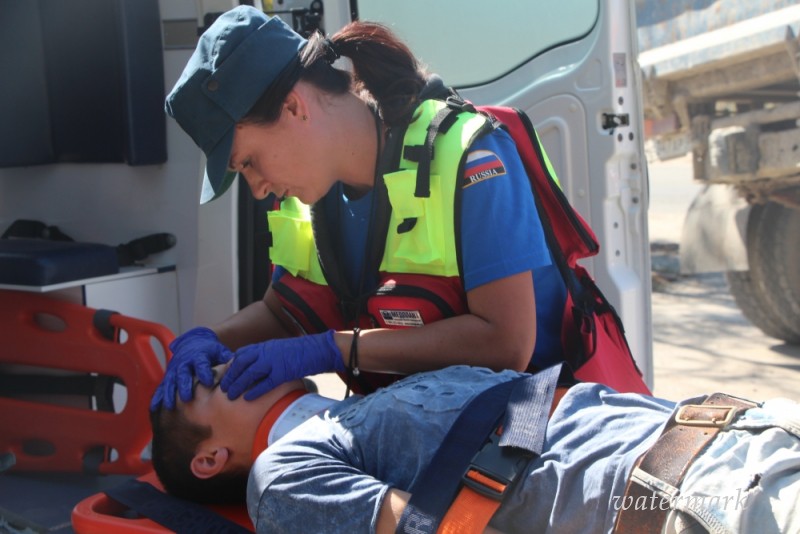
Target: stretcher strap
[(435, 490), (471, 511), (177, 515)]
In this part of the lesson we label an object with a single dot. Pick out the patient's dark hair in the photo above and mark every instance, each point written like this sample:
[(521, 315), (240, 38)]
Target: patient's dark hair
[(175, 441)]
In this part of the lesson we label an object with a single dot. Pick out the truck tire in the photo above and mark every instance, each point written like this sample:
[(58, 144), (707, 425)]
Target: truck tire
[(769, 294), (754, 307), (775, 262)]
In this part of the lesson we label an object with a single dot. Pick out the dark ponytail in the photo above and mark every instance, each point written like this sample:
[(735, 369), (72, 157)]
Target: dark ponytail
[(384, 67), (385, 72)]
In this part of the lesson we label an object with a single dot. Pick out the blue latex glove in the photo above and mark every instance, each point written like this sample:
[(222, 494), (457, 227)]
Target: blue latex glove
[(194, 353), (258, 368)]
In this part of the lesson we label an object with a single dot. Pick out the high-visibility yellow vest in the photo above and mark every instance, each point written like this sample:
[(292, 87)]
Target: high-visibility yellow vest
[(429, 247), (418, 280)]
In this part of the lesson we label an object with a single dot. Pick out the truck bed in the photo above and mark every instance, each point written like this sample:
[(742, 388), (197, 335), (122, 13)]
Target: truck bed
[(680, 38)]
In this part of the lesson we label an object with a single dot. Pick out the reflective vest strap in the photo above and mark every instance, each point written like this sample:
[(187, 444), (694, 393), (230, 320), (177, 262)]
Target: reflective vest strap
[(421, 236), (445, 116), (421, 233)]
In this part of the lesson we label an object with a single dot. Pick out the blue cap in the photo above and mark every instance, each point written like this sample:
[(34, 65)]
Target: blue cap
[(236, 60)]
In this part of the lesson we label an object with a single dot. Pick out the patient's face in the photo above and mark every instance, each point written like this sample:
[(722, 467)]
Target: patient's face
[(217, 371), (210, 405)]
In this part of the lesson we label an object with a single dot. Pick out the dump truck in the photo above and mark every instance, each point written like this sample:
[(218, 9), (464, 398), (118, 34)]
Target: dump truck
[(721, 81)]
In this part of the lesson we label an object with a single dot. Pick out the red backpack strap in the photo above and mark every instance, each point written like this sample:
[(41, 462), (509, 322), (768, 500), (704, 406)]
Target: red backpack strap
[(575, 237), (592, 333)]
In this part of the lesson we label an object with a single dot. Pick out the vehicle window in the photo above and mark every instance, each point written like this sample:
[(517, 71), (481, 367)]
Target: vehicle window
[(499, 37)]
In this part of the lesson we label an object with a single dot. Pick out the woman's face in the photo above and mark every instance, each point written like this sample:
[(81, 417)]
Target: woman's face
[(283, 158)]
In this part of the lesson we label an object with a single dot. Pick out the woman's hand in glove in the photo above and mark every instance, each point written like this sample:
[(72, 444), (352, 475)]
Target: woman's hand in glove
[(258, 368), (194, 353)]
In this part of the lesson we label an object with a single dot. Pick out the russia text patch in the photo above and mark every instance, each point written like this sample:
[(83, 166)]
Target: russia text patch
[(482, 165)]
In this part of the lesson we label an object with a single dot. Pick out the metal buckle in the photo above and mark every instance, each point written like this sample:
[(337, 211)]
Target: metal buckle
[(500, 464), (728, 410)]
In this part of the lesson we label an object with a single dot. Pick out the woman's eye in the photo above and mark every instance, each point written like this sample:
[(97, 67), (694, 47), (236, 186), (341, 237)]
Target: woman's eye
[(239, 167)]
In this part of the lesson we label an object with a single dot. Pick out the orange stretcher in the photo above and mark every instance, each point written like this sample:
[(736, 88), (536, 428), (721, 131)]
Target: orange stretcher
[(58, 338)]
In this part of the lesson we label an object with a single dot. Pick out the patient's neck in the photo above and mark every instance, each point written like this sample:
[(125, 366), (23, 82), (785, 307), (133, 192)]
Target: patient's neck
[(293, 408)]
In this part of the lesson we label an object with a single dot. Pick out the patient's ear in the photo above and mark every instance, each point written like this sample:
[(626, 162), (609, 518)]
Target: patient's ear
[(209, 462)]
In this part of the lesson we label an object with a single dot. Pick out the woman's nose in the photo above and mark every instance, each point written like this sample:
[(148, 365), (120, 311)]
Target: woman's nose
[(259, 187)]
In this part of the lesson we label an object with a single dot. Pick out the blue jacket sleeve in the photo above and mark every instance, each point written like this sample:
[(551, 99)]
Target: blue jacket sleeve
[(501, 233)]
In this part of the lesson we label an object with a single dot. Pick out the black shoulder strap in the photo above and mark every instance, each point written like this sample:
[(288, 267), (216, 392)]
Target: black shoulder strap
[(178, 515), (325, 239), (441, 123), (521, 405)]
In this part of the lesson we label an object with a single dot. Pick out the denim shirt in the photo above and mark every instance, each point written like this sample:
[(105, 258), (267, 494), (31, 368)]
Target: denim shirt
[(331, 473)]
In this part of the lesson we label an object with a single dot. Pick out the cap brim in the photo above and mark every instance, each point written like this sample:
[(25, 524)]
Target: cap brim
[(218, 178)]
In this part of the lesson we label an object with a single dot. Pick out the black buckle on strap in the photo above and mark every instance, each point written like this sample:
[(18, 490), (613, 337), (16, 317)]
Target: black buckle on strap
[(499, 464)]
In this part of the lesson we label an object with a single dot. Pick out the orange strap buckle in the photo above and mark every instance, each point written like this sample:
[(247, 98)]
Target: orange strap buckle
[(490, 474)]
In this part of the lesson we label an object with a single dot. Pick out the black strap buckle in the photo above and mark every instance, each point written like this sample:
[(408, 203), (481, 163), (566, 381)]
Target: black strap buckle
[(459, 104), (501, 465)]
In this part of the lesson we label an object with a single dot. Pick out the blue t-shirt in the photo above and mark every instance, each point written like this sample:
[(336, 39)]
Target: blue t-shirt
[(331, 473), (501, 235)]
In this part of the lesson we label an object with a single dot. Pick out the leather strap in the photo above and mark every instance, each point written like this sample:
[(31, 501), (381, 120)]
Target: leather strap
[(686, 435)]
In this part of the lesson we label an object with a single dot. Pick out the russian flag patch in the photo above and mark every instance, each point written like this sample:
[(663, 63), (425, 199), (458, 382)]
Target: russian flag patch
[(482, 165)]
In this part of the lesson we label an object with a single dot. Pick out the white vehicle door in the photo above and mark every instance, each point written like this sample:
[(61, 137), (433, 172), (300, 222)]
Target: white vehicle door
[(571, 66)]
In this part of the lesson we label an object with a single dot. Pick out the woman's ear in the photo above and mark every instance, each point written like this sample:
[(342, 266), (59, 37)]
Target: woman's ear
[(211, 462), (296, 105)]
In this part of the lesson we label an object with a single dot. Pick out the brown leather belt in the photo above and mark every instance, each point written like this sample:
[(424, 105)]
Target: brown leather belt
[(689, 432)]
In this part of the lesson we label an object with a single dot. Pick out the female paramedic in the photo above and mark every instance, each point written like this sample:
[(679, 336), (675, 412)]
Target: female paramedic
[(361, 251)]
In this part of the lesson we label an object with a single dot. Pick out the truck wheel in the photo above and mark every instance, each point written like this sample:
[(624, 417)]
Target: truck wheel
[(775, 262), (754, 307), (769, 294)]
